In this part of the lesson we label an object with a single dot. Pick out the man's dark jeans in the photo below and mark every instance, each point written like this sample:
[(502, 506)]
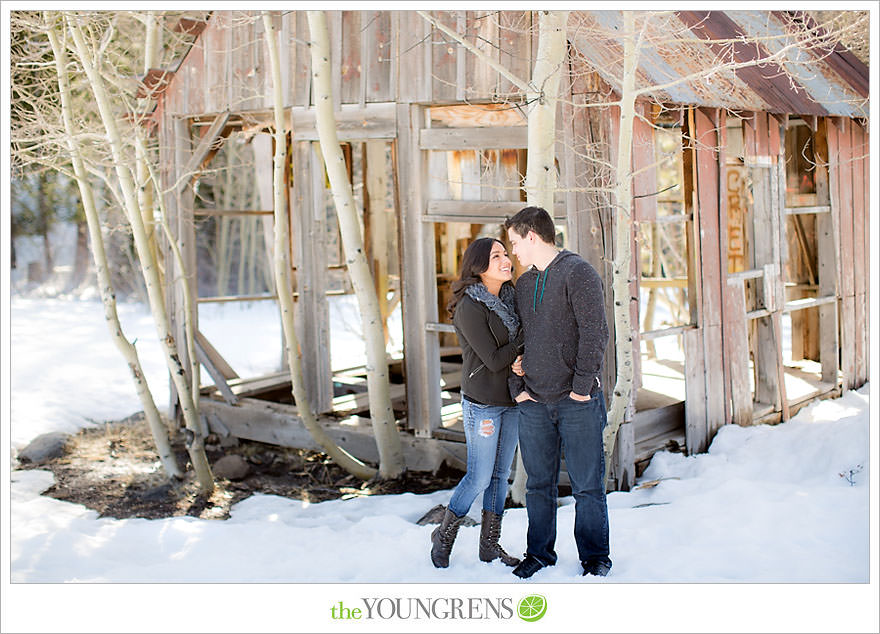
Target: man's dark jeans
[(575, 428)]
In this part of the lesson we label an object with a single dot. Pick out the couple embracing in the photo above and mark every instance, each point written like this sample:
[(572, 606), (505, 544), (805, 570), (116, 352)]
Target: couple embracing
[(532, 357)]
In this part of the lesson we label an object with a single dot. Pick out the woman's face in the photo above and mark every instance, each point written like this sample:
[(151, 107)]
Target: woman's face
[(500, 268)]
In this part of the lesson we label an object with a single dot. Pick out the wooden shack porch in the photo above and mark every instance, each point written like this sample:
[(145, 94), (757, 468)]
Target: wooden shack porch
[(735, 232)]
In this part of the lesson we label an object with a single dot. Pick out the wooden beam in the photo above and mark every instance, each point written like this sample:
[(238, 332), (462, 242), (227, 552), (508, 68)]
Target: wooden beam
[(309, 225), (201, 151), (501, 137), (462, 210), (751, 274), (736, 344), (644, 170), (696, 430), (232, 212), (826, 250), (215, 357), (654, 428), (713, 253), (216, 374), (665, 332), (418, 281), (859, 186), (808, 302), (663, 282), (280, 424), (819, 209), (439, 327), (372, 121), (776, 318), (235, 298)]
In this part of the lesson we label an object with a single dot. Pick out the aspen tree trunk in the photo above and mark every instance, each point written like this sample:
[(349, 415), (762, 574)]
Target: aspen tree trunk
[(108, 298), (391, 462), (282, 273), (195, 440), (542, 98), (152, 34), (541, 170), (622, 241)]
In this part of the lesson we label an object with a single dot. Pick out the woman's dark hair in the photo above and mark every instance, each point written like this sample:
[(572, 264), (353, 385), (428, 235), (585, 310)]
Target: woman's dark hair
[(474, 261)]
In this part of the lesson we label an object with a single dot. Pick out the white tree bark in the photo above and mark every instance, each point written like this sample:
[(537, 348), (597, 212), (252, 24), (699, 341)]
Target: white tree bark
[(282, 272), (542, 99), (108, 298), (541, 170), (391, 462), (149, 268), (622, 239), (152, 36)]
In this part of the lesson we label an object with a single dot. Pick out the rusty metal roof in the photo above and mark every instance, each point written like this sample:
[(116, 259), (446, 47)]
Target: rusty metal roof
[(675, 47)]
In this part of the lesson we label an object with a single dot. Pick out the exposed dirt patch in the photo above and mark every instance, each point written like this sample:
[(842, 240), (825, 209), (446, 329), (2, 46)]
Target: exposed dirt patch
[(115, 470)]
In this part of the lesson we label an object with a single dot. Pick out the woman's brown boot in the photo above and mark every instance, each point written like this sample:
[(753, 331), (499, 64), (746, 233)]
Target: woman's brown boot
[(443, 537), (490, 533)]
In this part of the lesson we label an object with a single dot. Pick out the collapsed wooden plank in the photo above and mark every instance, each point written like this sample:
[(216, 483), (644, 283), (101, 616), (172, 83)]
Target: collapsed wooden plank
[(216, 375), (216, 358), (280, 424)]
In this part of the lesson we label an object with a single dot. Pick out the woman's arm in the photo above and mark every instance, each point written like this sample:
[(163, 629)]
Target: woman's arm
[(472, 324)]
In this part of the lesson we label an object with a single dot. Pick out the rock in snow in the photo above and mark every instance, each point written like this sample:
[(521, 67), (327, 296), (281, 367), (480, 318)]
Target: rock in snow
[(45, 447), (231, 467)]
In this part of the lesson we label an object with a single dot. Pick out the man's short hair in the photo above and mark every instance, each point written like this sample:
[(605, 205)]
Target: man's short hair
[(533, 219)]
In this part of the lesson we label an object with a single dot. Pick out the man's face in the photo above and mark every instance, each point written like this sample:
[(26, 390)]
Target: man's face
[(521, 246)]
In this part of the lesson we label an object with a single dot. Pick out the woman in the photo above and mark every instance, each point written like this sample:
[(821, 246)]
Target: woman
[(482, 309)]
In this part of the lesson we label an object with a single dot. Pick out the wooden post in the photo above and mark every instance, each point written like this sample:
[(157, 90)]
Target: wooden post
[(847, 291), (712, 247), (308, 224), (418, 281), (696, 407), (376, 218), (826, 248), (695, 411), (758, 176), (859, 154), (736, 343)]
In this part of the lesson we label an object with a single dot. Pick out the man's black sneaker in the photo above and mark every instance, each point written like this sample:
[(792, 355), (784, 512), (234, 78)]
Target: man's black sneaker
[(597, 566), (528, 566)]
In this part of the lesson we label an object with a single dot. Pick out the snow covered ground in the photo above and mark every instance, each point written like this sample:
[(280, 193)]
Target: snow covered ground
[(714, 546)]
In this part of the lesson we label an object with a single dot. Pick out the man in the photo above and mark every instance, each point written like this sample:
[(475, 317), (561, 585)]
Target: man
[(562, 309)]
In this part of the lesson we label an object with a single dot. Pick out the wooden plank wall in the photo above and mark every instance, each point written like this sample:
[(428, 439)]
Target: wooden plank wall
[(859, 153), (848, 152), (376, 56), (418, 281), (764, 253), (590, 219), (713, 254), (308, 229), (827, 257)]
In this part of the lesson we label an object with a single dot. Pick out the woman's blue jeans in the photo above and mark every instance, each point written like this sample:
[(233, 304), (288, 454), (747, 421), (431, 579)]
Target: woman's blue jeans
[(491, 434), (545, 430)]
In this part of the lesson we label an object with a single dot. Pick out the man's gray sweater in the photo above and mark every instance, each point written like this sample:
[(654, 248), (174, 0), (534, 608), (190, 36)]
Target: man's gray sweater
[(562, 310)]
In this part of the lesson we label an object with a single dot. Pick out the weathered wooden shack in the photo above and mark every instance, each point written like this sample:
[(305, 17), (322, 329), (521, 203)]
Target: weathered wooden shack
[(751, 233)]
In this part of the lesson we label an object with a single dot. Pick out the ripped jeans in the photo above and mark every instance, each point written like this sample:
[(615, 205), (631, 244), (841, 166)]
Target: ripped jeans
[(491, 432)]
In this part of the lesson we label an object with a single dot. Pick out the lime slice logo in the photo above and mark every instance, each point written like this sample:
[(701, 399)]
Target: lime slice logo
[(532, 608)]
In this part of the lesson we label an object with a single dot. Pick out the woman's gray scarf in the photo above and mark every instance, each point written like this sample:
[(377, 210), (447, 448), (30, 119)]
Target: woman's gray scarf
[(502, 304)]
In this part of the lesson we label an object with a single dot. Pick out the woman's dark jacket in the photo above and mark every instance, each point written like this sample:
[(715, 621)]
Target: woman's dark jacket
[(487, 352)]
